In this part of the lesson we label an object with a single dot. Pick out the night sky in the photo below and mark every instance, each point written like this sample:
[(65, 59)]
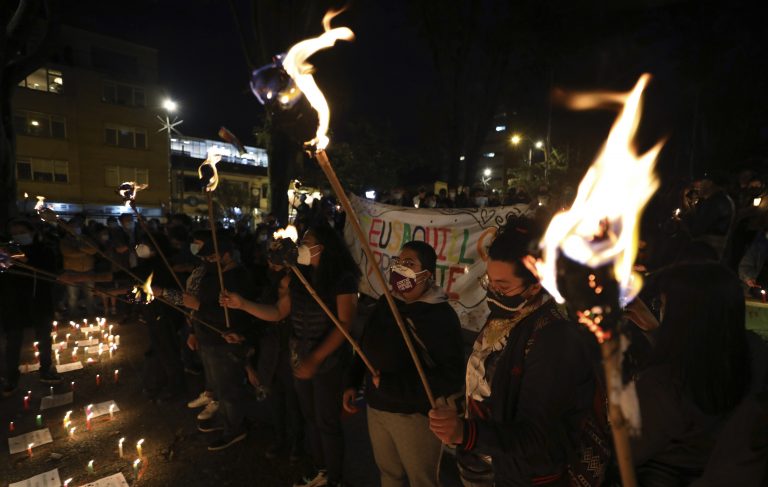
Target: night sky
[(707, 96)]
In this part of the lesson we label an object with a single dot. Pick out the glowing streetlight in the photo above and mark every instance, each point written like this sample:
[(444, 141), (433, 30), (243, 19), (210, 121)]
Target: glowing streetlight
[(516, 139), (487, 172), (539, 144), (169, 105)]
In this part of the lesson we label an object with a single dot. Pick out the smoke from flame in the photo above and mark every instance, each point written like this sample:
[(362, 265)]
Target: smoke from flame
[(297, 67), (602, 225)]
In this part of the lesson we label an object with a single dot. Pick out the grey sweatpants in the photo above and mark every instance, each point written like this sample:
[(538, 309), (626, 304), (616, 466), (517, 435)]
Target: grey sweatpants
[(404, 448)]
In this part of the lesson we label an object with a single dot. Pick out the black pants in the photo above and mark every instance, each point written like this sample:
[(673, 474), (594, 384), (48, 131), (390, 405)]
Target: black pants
[(14, 335), (225, 366), (286, 413), (166, 352), (320, 401)]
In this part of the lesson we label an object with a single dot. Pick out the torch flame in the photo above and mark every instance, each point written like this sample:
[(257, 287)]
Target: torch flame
[(146, 288), (297, 67), (128, 191), (40, 203), (213, 158), (287, 232), (602, 225)]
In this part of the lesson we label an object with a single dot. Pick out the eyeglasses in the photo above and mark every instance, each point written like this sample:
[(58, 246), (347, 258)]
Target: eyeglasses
[(485, 283)]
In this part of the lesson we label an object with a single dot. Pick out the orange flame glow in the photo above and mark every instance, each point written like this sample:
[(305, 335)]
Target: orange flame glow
[(297, 67), (146, 288), (602, 225), (213, 159), (287, 232)]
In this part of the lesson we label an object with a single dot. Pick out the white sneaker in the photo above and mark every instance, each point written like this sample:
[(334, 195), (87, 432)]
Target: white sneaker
[(202, 400), (209, 411)]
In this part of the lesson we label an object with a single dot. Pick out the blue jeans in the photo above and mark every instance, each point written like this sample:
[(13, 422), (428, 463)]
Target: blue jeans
[(73, 293), (225, 372)]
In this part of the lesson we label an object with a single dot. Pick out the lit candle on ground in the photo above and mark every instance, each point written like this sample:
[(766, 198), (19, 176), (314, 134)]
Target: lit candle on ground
[(88, 421), (136, 464), (111, 412), (26, 403), (110, 329), (39, 420), (67, 482), (85, 351), (71, 323), (37, 357), (66, 419), (138, 446), (67, 337), (72, 386), (35, 345), (51, 389), (110, 351), (120, 447), (29, 449), (117, 339), (11, 427), (72, 432), (90, 466), (54, 336), (58, 359), (117, 376)]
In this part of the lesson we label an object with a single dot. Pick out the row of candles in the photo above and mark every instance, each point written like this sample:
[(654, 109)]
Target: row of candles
[(110, 340), (28, 397)]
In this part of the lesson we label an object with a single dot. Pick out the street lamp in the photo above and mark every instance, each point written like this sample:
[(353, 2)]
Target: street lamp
[(487, 172), (169, 105), (539, 144), (169, 126), (516, 139)]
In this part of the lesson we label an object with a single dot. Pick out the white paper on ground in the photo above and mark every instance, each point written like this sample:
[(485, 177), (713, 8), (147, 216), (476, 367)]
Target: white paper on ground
[(18, 444), (69, 367), (26, 368), (101, 408), (47, 479), (90, 329), (49, 402), (116, 480), (87, 343), (59, 346)]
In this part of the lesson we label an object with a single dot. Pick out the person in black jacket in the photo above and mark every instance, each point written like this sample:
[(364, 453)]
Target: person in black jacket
[(529, 382), (25, 301), (404, 448), (319, 353), (223, 350)]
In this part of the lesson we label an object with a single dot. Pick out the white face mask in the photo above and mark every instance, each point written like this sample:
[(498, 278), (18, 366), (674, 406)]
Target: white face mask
[(143, 251), (305, 254), (194, 248)]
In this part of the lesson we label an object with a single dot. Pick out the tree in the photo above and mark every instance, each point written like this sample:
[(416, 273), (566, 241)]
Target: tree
[(22, 51)]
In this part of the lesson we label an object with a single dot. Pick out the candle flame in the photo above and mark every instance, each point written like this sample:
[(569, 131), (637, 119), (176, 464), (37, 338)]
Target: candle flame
[(287, 232), (602, 225), (213, 181), (297, 67)]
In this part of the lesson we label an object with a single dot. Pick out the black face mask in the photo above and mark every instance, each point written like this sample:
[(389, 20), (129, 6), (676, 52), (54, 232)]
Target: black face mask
[(504, 306)]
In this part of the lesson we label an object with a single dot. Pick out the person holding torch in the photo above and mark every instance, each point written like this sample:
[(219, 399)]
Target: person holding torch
[(530, 383)]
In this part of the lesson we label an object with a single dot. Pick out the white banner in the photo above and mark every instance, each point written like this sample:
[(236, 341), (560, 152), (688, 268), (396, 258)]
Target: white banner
[(459, 236)]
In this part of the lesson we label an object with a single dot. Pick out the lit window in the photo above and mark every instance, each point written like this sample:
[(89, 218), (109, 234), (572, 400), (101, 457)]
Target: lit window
[(44, 79), (39, 124), (490, 154), (42, 170), (501, 128), (126, 137)]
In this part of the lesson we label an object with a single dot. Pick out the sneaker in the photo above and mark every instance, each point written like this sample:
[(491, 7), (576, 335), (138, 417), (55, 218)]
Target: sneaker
[(317, 479), (9, 388), (226, 441), (209, 411), (208, 427), (202, 400), (50, 377)]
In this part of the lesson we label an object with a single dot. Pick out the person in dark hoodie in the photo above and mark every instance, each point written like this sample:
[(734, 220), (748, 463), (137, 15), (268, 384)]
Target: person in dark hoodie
[(25, 300), (222, 352), (707, 378), (530, 381), (404, 448)]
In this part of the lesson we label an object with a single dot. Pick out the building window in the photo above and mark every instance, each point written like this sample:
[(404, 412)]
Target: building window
[(128, 137), (44, 79), (39, 124), (114, 176), (121, 94), (42, 170)]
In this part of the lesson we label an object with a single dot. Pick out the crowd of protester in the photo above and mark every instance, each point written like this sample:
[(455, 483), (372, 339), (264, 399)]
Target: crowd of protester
[(525, 406)]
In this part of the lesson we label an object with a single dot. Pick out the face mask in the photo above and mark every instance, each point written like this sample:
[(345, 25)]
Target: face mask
[(504, 305), (194, 248), (305, 254), (481, 201), (403, 279), (143, 251), (23, 238)]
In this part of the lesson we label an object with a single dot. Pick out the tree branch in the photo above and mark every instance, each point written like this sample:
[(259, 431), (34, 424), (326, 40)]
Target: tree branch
[(20, 68)]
